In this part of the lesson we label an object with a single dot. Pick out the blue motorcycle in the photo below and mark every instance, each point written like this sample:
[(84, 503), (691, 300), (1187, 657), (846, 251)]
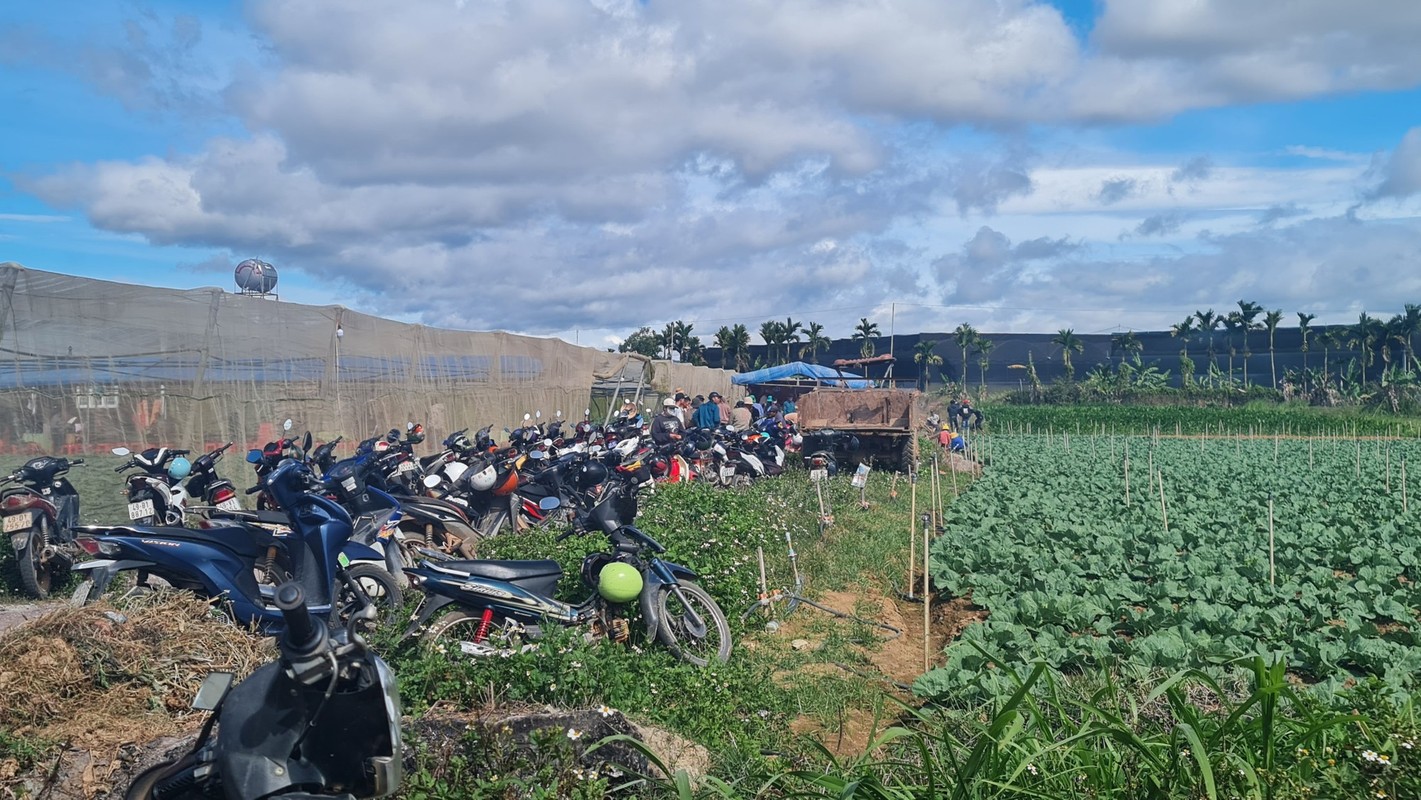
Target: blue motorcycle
[(220, 561)]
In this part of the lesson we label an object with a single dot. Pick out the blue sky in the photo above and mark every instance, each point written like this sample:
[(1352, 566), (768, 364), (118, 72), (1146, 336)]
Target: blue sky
[(580, 169)]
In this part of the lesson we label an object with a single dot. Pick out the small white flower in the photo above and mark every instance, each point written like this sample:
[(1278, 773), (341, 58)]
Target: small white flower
[(574, 734), (605, 710), (1032, 769), (1369, 755)]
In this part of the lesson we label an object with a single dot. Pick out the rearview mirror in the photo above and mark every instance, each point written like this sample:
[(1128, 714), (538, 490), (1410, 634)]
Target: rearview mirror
[(121, 451), (286, 426), (539, 414), (254, 456), (431, 481), (214, 687), (549, 503), (527, 417), (409, 426), (306, 443), (537, 455)]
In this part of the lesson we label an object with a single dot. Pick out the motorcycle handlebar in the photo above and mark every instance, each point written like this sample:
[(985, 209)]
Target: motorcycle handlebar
[(255, 489), (300, 630), (78, 462), (124, 466)]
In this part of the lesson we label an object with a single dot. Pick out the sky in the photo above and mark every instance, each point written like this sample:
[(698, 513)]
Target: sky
[(580, 168)]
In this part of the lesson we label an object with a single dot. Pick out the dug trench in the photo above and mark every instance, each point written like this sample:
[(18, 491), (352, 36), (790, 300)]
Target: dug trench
[(885, 661)]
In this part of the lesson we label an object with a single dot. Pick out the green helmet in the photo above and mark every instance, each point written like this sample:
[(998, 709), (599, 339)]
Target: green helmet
[(619, 583)]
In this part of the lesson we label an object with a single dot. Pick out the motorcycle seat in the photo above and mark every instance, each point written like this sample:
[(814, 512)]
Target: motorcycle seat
[(234, 538), (501, 570)]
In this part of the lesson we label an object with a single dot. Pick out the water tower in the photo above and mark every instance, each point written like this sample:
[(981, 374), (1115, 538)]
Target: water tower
[(255, 278)]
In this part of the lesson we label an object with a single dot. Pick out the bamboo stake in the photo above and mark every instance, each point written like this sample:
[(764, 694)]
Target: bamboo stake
[(1359, 458), (1271, 568), (912, 531), (1127, 480), (1164, 515), (1309, 452), (1388, 470), (927, 602), (1403, 484)]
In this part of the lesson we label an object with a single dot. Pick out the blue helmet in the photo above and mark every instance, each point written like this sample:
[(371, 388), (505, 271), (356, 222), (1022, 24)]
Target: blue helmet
[(179, 468)]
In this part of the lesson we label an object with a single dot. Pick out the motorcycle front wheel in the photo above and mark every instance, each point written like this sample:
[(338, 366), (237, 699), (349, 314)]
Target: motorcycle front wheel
[(34, 573), (379, 586), (675, 631)]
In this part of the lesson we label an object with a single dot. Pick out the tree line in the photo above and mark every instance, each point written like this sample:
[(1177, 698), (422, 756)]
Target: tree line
[(1234, 332)]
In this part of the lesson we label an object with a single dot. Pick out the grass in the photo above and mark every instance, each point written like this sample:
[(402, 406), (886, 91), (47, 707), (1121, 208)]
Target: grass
[(1256, 418)]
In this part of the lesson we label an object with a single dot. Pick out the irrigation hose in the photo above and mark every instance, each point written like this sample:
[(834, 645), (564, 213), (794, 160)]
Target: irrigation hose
[(795, 599)]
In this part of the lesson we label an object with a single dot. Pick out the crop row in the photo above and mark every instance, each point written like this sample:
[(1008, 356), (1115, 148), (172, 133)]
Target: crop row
[(1180, 572), (1255, 418)]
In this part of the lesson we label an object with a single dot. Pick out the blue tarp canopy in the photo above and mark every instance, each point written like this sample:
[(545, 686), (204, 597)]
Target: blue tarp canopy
[(800, 370)]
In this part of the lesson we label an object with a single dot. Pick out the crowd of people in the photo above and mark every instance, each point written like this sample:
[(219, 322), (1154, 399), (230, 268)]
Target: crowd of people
[(682, 413), (961, 417)]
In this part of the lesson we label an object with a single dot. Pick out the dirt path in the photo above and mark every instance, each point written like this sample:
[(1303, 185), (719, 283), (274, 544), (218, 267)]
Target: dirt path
[(15, 613)]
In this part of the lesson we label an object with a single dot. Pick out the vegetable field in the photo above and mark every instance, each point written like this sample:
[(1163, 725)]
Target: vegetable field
[(1188, 552)]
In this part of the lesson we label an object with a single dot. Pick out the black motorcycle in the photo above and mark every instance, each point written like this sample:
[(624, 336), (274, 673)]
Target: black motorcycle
[(39, 514), (497, 602), (321, 721)]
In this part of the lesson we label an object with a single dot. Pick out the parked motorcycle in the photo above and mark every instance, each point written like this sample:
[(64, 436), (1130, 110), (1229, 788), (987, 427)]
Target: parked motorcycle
[(323, 720), (221, 561), (39, 515), (155, 493), (498, 602)]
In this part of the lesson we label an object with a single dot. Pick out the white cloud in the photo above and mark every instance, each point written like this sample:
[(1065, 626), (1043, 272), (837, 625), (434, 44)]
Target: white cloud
[(547, 164)]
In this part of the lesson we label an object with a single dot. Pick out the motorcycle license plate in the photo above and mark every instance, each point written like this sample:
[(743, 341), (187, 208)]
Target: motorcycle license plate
[(818, 474), (727, 473), (17, 522), (141, 509), (348, 484), (406, 466), (230, 504)]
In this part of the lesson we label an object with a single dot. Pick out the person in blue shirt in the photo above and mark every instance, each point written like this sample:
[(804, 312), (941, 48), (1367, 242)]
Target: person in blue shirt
[(708, 415)]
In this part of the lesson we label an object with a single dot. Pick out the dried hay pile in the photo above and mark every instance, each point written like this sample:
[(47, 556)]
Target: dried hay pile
[(99, 676)]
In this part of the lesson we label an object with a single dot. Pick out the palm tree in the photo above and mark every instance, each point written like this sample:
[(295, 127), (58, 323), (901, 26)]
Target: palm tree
[(1208, 323), (693, 351), (1232, 323), (1364, 335), (923, 354), (965, 336), (668, 340), (740, 344), (1304, 328), (1408, 325), (725, 340), (984, 352), (1247, 313), (1128, 345), (814, 341), (1330, 338), (1181, 331), (1069, 343), (1270, 322), (789, 334), (866, 330), (772, 332)]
